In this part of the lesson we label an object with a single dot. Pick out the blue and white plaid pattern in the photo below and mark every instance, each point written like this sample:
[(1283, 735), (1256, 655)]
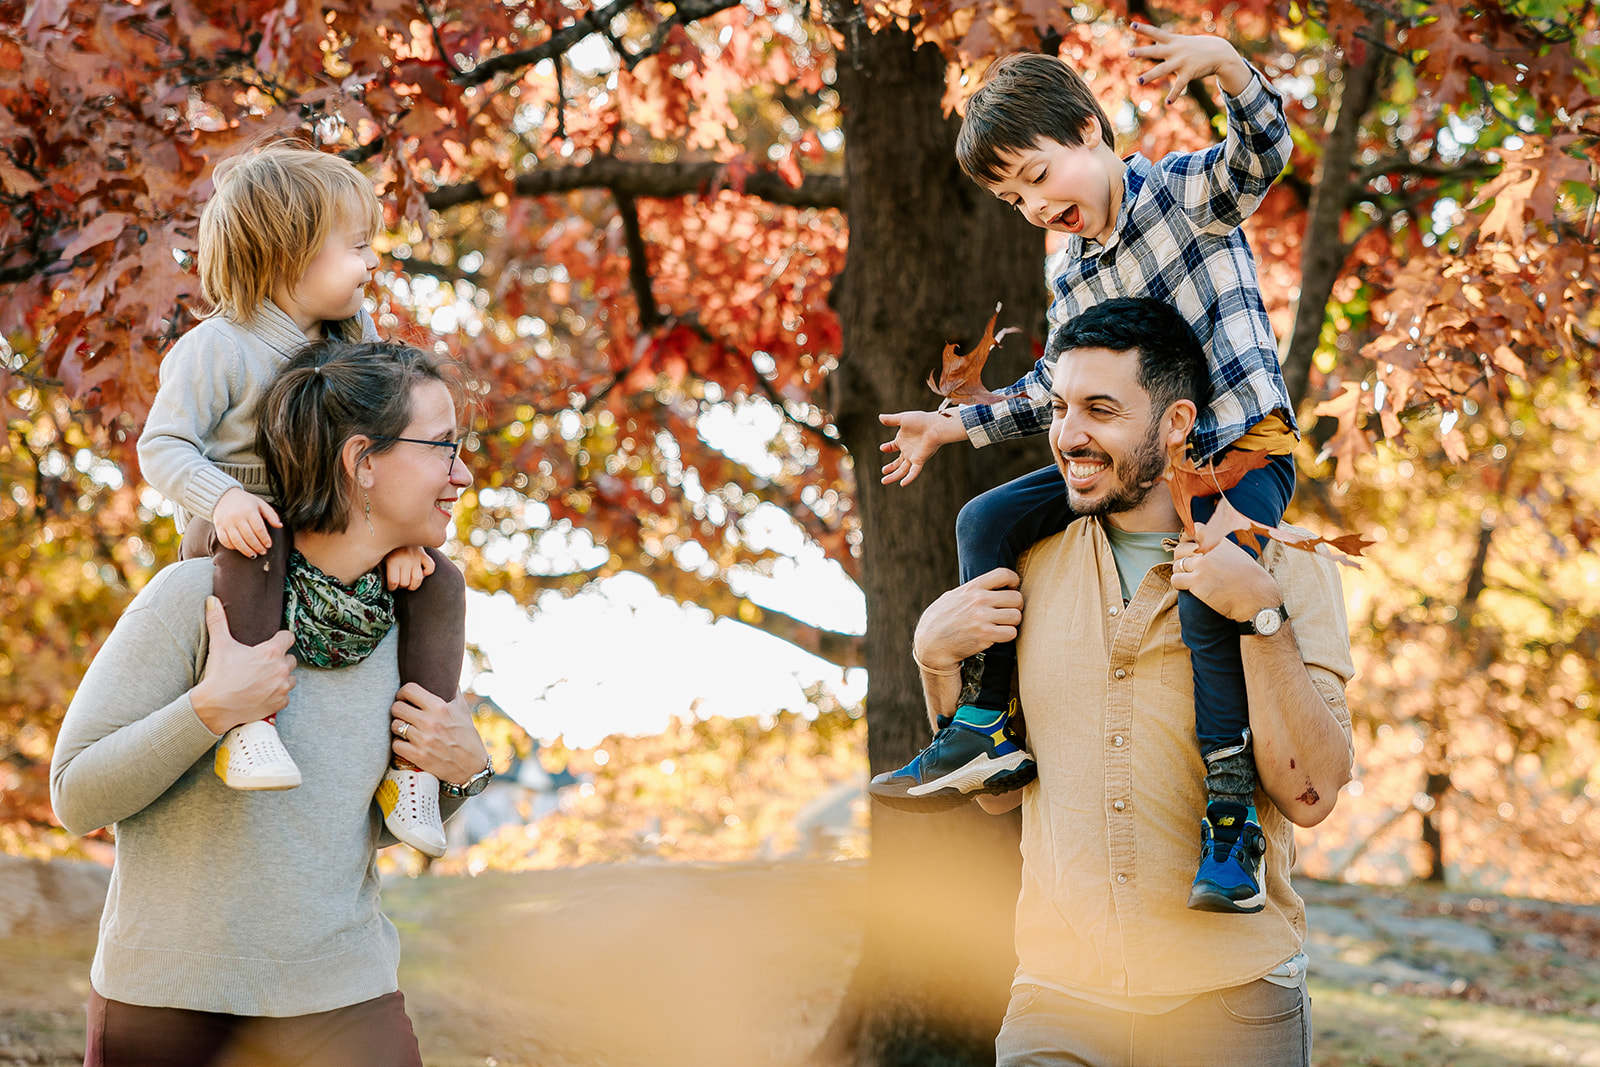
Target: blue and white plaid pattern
[(1177, 239)]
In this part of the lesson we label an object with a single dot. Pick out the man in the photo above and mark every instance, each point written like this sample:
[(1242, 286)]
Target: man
[(1113, 967)]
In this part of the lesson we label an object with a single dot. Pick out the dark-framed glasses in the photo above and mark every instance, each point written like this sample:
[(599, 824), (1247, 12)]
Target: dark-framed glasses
[(452, 446)]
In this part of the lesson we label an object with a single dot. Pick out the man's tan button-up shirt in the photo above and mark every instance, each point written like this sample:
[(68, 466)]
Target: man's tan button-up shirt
[(1111, 828)]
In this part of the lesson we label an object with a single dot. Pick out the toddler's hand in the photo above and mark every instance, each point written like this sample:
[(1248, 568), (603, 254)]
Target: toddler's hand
[(918, 436), (1185, 57), (241, 519), (404, 568)]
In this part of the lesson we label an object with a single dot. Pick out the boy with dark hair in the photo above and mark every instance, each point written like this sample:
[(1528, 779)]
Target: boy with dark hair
[(1034, 136)]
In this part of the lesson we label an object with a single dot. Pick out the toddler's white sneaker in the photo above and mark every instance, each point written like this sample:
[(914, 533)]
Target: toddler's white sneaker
[(409, 799), (252, 756)]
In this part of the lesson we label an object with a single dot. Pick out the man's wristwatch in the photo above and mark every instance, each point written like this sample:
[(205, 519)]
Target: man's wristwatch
[(472, 786), (1265, 622)]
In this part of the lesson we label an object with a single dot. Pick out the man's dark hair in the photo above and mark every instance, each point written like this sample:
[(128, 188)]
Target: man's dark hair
[(1172, 365), (1025, 98)]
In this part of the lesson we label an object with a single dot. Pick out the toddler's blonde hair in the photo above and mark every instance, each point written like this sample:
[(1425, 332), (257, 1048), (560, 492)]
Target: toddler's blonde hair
[(273, 208)]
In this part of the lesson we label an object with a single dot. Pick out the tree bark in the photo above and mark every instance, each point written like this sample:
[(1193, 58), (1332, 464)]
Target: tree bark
[(1323, 251), (930, 255), (1475, 658)]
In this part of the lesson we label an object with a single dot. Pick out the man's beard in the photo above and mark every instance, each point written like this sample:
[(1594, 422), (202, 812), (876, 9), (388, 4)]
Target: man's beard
[(1137, 474)]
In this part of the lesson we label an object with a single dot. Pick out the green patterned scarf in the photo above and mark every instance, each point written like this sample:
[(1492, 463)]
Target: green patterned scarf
[(334, 625)]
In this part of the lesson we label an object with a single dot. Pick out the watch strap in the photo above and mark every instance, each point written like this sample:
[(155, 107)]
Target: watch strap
[(451, 789)]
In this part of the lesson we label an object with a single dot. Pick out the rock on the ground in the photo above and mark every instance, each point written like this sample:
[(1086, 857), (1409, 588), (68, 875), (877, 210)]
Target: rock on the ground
[(38, 898), (1449, 934)]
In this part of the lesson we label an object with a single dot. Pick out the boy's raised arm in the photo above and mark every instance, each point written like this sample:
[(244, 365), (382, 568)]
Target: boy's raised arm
[(1222, 186)]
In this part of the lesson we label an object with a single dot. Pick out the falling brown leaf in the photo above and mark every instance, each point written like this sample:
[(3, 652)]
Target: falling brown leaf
[(1229, 521), (960, 376)]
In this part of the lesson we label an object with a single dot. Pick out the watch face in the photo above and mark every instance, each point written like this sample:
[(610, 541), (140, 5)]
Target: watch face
[(1268, 621), (476, 784)]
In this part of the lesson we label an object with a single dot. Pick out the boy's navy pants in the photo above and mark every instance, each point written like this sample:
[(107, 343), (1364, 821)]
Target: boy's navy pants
[(995, 528)]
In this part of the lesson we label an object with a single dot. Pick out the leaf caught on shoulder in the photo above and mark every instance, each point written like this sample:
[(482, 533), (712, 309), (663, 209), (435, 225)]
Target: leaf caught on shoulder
[(1187, 481), (960, 376)]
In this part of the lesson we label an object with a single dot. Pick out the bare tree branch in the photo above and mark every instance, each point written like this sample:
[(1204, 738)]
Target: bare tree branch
[(656, 180), (638, 263), (560, 41), (596, 21)]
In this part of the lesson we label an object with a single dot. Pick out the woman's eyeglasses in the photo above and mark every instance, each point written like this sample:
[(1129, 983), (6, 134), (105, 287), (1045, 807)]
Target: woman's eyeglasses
[(453, 447)]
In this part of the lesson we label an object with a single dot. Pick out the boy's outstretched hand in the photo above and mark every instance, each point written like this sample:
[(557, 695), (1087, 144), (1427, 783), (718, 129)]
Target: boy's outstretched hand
[(1186, 57), (918, 436)]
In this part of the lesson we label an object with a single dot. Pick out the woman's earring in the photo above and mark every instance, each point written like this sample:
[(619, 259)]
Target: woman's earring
[(368, 500)]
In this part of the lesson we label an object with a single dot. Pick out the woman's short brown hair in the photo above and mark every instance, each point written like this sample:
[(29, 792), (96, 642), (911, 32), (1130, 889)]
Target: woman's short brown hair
[(1026, 98), (329, 392), (273, 208)]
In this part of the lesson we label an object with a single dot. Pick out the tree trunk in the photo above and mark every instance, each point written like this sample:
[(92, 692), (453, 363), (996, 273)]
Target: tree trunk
[(930, 256), (1323, 252), (1476, 658)]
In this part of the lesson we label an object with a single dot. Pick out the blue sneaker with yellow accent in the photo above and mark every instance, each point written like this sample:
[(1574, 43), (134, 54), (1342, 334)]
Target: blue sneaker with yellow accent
[(962, 761), (1232, 848)]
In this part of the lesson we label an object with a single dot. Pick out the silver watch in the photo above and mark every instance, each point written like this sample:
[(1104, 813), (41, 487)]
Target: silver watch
[(472, 786), (1265, 622)]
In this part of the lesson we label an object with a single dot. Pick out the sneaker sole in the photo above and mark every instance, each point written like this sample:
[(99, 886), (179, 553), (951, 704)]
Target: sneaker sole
[(1217, 902), (272, 783), (987, 776), (975, 777)]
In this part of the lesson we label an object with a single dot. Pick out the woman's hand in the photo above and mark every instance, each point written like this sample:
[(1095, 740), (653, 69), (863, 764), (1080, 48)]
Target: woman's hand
[(438, 735), (242, 683)]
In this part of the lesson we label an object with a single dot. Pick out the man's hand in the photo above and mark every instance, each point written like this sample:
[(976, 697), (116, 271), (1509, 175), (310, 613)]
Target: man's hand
[(242, 683), (918, 436), (404, 568), (1186, 57), (440, 737), (241, 519), (1225, 578), (968, 619)]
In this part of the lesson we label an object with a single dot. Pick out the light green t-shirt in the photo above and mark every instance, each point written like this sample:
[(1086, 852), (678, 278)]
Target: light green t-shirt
[(1136, 553)]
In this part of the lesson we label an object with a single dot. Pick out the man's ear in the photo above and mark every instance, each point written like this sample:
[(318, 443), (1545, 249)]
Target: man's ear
[(1180, 418), (357, 466)]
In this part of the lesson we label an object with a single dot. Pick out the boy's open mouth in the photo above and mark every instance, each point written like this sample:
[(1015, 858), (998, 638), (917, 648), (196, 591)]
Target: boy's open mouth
[(1071, 219)]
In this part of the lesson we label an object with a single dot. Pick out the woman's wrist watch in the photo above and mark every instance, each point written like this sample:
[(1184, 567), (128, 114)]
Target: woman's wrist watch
[(472, 786)]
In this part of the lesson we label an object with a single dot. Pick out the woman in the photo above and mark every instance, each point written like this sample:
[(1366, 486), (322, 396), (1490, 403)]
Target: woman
[(245, 926)]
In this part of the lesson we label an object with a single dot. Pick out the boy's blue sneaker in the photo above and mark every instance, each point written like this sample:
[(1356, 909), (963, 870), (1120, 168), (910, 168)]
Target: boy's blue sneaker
[(962, 761), (1232, 847)]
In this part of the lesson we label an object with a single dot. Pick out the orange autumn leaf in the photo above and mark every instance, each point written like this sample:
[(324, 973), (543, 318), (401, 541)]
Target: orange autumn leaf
[(1227, 520), (960, 376), (1186, 481)]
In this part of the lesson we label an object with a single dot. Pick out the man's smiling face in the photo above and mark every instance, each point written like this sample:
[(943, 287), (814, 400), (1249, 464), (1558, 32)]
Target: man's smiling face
[(1061, 188), (1106, 439)]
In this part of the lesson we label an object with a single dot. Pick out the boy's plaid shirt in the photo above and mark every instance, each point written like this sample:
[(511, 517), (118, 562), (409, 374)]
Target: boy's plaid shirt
[(1177, 239)]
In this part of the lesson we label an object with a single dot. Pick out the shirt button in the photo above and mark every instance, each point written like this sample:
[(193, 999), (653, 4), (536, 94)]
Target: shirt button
[(1119, 805), (1117, 740), (1122, 879), (1120, 673), (1114, 611)]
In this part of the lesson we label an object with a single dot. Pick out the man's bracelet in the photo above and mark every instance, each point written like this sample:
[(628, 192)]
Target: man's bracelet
[(948, 672)]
